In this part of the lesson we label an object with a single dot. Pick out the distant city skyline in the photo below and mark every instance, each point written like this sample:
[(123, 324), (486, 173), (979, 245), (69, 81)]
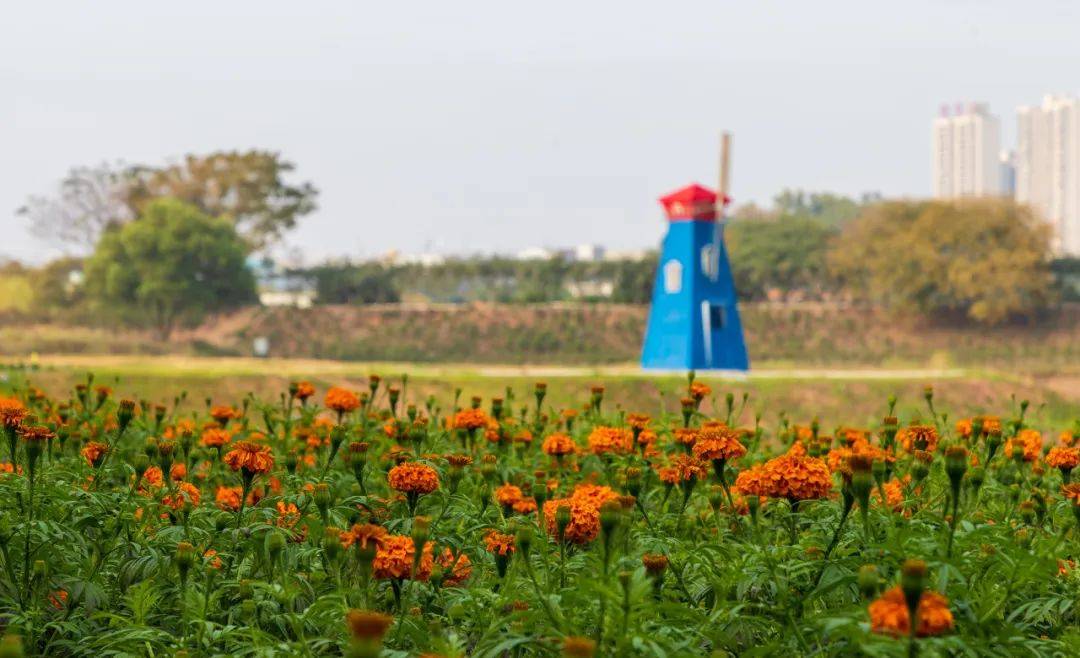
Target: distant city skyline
[(492, 127), (967, 160)]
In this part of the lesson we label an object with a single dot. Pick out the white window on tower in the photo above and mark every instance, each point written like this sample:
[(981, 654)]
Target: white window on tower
[(672, 277), (710, 261)]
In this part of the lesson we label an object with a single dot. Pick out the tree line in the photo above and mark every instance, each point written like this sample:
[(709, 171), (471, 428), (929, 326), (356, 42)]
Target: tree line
[(163, 246)]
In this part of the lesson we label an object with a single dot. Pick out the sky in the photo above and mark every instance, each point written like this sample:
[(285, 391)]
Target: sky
[(467, 127)]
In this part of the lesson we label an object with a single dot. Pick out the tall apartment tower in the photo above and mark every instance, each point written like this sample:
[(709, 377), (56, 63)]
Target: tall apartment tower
[(1048, 166), (966, 148)]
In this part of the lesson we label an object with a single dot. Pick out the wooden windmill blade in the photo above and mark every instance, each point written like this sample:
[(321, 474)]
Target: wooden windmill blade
[(725, 174)]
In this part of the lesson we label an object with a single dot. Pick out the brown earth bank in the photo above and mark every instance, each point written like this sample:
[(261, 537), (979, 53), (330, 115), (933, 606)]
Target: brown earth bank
[(575, 334)]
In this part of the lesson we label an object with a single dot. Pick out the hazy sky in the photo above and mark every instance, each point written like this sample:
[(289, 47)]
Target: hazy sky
[(480, 126)]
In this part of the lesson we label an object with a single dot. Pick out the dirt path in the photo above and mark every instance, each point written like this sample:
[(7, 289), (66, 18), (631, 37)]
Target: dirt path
[(226, 366)]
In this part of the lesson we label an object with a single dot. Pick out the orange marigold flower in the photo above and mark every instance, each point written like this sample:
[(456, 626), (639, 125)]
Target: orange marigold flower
[(1029, 440), (186, 494), (837, 457), (94, 452), (154, 477), (215, 437), (223, 414), (394, 559), (36, 433), (7, 467), (1067, 438), (498, 543), (470, 419), (584, 523), (228, 498), (699, 391), (685, 436), (12, 413), (638, 421), (368, 626), (716, 443), (584, 504), (1071, 492), (508, 494), (604, 440), (795, 477), (253, 458), (362, 535), (457, 570), (212, 559), (894, 493), (1063, 458), (683, 468), (341, 400), (559, 445), (413, 478), (288, 514), (889, 614), (525, 506), (303, 390), (58, 599), (914, 436)]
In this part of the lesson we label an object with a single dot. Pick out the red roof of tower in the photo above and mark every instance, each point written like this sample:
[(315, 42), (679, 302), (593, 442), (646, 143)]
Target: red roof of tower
[(693, 202)]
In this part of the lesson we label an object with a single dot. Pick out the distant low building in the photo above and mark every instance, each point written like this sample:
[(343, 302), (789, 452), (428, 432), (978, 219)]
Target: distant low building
[(590, 289), (536, 253), (277, 287)]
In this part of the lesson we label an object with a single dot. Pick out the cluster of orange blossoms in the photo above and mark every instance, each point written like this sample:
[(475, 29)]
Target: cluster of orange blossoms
[(889, 614), (718, 443), (1029, 442), (918, 437), (610, 440), (791, 476), (499, 543), (215, 437), (559, 445), (252, 458), (470, 419), (1063, 457), (584, 504), (683, 468), (341, 400), (413, 478), (966, 427)]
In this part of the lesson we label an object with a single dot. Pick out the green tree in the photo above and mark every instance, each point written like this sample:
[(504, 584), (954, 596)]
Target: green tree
[(366, 283), (633, 280), (246, 187), (169, 268), (788, 253), (58, 287), (829, 208), (985, 259)]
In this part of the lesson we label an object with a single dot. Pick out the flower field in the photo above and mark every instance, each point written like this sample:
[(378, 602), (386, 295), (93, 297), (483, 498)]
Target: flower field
[(376, 521)]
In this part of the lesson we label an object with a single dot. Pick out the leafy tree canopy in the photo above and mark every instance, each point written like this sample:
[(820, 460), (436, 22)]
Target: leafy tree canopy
[(246, 187), (789, 253), (169, 268), (987, 259), (829, 208)]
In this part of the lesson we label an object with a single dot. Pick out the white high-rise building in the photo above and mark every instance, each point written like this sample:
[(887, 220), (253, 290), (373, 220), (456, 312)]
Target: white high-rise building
[(1048, 166), (966, 146)]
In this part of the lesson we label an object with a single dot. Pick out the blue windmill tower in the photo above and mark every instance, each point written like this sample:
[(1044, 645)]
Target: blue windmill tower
[(694, 321)]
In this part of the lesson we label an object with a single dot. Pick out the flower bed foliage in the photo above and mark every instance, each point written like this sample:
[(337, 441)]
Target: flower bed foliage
[(367, 523)]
